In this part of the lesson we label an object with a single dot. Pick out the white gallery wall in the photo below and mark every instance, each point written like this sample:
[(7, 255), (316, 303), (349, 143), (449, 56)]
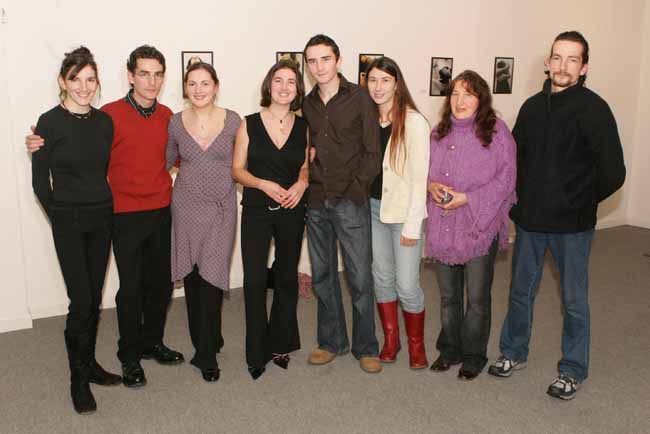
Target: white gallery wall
[(244, 37)]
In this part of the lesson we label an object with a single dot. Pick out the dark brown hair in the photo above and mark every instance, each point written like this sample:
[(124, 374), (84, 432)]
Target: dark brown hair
[(402, 102), (144, 52), (321, 39), (486, 117), (73, 63), (200, 65), (574, 36), (266, 84)]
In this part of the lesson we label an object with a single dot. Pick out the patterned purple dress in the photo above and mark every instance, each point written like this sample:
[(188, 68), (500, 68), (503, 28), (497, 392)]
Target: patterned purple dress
[(204, 202)]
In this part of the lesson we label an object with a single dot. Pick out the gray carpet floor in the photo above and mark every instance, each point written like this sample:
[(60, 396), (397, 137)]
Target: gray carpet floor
[(339, 397)]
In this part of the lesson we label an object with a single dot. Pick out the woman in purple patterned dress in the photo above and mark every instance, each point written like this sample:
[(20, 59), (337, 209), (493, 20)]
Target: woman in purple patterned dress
[(204, 210), (472, 170)]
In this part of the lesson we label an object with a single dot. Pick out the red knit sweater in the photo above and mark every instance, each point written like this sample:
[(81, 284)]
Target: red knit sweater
[(137, 171)]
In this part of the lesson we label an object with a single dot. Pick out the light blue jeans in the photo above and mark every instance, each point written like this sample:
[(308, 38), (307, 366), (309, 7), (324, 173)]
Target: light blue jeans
[(395, 268)]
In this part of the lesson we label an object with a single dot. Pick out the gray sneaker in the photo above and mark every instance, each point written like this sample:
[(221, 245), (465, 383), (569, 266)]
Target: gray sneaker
[(564, 387), (504, 366)]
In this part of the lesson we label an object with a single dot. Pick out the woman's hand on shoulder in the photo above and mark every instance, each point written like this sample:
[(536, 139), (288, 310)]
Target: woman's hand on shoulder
[(294, 194)]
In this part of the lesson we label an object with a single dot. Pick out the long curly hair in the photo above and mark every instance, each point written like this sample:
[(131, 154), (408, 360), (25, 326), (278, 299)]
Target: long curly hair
[(486, 117)]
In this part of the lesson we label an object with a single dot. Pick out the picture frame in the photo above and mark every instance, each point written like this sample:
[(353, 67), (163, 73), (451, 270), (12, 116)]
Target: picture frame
[(365, 59), (504, 68), (295, 56), (442, 70)]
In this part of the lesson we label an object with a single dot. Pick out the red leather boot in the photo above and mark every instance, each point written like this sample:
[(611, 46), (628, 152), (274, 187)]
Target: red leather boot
[(389, 322), (415, 331)]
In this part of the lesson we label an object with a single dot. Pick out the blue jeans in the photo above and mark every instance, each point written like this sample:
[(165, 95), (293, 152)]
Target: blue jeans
[(349, 223), (395, 268), (571, 254)]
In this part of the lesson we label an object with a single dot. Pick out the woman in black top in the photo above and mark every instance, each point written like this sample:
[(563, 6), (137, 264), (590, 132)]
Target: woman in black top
[(78, 203), (270, 161)]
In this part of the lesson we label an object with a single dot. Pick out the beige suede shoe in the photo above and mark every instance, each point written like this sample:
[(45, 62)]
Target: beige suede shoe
[(320, 357), (370, 365)]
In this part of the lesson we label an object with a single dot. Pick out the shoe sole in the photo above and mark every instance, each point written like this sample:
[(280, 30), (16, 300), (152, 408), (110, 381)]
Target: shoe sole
[(564, 398), (136, 385), (175, 362), (114, 383)]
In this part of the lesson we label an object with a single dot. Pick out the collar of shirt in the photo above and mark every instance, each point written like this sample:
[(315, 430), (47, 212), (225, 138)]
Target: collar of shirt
[(344, 86), (145, 112)]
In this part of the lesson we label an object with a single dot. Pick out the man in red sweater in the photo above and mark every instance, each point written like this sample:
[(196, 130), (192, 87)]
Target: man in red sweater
[(141, 188)]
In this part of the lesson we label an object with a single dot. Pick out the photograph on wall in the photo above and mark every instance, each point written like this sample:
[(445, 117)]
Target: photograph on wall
[(503, 73), (189, 57), (364, 62), (441, 73), (294, 56)]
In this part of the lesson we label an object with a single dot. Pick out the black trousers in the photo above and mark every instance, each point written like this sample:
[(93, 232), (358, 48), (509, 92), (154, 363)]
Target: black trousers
[(82, 239), (279, 332), (204, 302), (465, 331), (142, 248)]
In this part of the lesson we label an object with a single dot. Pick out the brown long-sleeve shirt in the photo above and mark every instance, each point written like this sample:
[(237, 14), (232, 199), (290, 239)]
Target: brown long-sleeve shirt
[(345, 133)]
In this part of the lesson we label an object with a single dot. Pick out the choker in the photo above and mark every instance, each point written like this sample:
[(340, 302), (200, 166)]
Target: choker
[(78, 115)]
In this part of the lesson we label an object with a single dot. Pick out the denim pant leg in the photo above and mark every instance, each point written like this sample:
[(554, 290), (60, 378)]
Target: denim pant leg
[(527, 267), (571, 253), (352, 225), (383, 260), (475, 332), (321, 236), (407, 268), (451, 284)]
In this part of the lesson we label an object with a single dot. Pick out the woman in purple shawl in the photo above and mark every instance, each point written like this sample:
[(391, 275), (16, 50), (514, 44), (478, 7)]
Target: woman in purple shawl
[(471, 184)]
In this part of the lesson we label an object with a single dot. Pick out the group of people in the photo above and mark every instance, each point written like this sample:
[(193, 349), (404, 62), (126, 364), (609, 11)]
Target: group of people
[(363, 169)]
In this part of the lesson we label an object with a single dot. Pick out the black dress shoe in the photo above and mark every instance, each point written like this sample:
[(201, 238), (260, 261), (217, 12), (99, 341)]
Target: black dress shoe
[(99, 375), (163, 355), (282, 360), (133, 375), (256, 372), (441, 364), (82, 398), (467, 374), (211, 375)]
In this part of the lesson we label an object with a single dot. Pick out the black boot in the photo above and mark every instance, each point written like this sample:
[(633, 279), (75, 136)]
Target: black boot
[(82, 398), (97, 374)]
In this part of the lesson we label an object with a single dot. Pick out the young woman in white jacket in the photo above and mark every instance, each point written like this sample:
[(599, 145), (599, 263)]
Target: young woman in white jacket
[(398, 207)]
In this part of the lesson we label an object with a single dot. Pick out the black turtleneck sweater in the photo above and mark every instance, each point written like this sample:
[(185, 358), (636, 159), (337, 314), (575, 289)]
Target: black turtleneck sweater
[(76, 154), (569, 158)]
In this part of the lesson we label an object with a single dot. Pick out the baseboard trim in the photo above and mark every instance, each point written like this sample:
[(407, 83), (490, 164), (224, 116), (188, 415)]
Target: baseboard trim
[(639, 222), (12, 324)]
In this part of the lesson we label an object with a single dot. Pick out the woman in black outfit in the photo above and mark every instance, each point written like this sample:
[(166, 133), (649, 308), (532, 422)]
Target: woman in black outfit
[(79, 205), (270, 161)]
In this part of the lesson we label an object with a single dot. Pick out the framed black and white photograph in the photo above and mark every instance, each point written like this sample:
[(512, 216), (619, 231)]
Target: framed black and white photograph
[(441, 73), (365, 59), (504, 68), (189, 57), (294, 56)]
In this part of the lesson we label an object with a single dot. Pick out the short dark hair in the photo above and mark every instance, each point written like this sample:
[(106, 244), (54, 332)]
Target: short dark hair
[(144, 52), (73, 62), (574, 36), (266, 84), (200, 65), (321, 39)]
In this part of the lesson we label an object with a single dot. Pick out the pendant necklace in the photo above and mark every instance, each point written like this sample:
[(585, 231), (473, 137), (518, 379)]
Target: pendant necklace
[(279, 119)]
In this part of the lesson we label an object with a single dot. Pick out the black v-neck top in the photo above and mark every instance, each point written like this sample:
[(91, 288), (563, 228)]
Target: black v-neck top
[(267, 161)]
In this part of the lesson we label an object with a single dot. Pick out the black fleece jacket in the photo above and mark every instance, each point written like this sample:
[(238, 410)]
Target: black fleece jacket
[(569, 158)]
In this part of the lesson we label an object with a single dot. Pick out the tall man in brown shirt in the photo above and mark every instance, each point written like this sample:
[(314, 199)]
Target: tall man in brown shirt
[(344, 130)]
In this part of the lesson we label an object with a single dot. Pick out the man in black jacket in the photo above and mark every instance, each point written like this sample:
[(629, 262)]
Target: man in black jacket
[(569, 158)]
